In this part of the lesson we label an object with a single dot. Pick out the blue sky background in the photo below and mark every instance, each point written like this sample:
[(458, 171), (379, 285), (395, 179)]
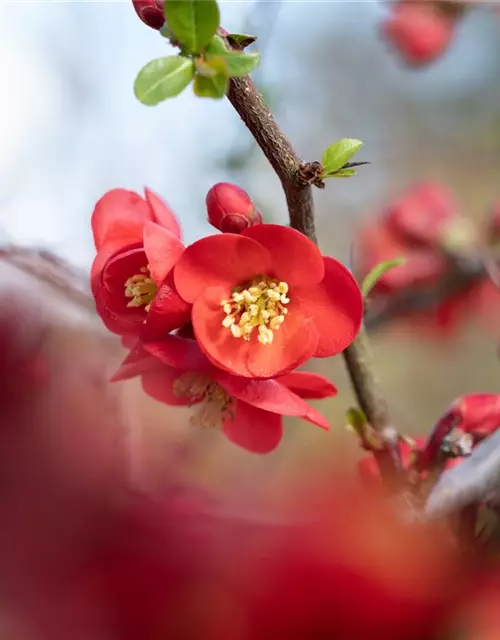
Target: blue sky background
[(70, 127)]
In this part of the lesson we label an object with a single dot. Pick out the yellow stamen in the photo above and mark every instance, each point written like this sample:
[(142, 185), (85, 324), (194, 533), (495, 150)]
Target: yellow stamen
[(261, 305), (141, 288), (216, 404)]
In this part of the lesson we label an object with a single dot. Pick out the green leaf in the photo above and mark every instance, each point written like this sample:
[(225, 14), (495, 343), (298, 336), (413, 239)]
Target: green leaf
[(241, 64), (338, 154), (194, 22), (341, 173), (163, 78), (378, 271), (212, 80), (217, 46), (241, 40), (238, 62)]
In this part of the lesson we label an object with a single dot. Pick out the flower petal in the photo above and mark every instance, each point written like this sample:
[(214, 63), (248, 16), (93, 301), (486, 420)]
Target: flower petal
[(159, 385), (137, 362), (226, 259), (118, 269), (293, 344), (162, 213), (168, 312), (295, 258), (180, 353), (308, 385), (254, 429), (336, 305), (119, 216), (163, 249), (268, 395)]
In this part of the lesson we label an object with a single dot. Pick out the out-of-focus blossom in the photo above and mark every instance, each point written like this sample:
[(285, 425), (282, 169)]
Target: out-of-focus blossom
[(138, 242), (248, 412), (150, 12), (425, 215), (266, 301), (377, 243), (420, 31), (425, 228), (230, 209)]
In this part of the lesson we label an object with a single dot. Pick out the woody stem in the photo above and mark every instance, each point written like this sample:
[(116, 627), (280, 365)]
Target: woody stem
[(248, 102)]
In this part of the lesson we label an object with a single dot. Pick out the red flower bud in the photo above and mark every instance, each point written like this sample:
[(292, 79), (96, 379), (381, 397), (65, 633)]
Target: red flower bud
[(150, 12), (420, 31), (230, 209)]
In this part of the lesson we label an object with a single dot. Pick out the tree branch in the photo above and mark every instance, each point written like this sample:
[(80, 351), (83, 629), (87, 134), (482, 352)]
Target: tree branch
[(246, 99)]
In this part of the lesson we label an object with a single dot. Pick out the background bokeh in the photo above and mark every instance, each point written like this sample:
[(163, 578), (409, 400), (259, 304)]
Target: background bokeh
[(70, 129)]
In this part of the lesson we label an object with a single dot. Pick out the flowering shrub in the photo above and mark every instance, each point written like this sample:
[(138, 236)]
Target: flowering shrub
[(222, 326)]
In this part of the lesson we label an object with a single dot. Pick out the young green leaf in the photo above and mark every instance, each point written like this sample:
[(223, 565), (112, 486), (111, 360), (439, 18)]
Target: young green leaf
[(341, 173), (241, 64), (238, 62), (377, 272), (194, 22), (212, 80), (163, 78), (241, 40), (338, 154)]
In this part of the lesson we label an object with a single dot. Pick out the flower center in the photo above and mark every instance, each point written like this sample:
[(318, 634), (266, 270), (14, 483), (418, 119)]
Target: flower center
[(216, 403), (141, 288), (261, 305)]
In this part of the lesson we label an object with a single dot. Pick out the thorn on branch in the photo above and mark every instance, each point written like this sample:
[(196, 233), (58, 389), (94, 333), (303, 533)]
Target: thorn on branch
[(309, 173)]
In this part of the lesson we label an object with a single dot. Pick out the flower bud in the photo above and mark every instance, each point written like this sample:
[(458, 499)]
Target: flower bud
[(420, 31), (230, 209), (150, 12)]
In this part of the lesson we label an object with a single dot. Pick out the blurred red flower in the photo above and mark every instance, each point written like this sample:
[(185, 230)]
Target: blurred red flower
[(420, 31), (138, 242), (266, 301), (248, 412), (422, 226)]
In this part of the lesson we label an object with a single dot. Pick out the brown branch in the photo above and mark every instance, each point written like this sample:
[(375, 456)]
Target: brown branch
[(246, 99), (249, 104)]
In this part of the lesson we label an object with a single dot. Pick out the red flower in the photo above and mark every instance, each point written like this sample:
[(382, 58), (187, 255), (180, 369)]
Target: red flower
[(249, 412), (425, 215), (150, 12), (420, 31), (138, 243), (230, 209), (377, 243), (265, 301)]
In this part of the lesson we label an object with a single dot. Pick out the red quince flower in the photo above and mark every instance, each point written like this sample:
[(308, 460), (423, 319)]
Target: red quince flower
[(230, 209), (138, 242), (266, 301), (248, 412), (425, 215), (420, 31), (377, 243), (150, 12)]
